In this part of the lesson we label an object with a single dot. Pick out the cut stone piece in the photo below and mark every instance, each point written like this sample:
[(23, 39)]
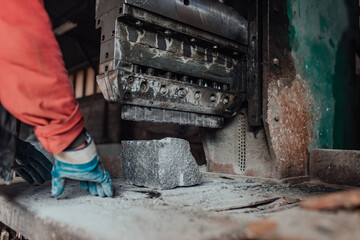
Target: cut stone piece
[(161, 164)]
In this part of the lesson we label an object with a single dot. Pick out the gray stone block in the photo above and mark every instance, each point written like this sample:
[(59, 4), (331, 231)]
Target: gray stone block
[(161, 164)]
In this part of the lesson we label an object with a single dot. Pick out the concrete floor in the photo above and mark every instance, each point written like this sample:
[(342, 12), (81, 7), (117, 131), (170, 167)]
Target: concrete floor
[(222, 207)]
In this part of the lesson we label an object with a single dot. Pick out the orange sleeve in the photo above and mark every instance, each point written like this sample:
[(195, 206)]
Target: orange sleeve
[(34, 84)]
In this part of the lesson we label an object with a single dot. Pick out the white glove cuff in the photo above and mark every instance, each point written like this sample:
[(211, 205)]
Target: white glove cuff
[(78, 156)]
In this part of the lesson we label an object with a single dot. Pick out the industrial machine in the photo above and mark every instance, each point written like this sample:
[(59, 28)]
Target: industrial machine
[(173, 61), (188, 62), (266, 82)]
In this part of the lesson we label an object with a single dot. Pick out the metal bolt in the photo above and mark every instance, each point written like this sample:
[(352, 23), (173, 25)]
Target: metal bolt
[(138, 23), (182, 92), (143, 86), (193, 40), (205, 84), (226, 100), (212, 98), (191, 81), (197, 95), (167, 32), (163, 90), (131, 79), (276, 62), (127, 96)]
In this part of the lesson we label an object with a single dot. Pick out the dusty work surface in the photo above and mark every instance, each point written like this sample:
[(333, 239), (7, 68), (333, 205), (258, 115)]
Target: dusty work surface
[(222, 207)]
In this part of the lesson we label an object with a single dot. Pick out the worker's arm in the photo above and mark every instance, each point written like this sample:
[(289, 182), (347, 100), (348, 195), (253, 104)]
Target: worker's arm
[(35, 88), (34, 84)]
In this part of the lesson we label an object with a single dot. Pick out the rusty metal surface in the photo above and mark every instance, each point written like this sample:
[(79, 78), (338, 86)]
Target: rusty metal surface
[(289, 132), (286, 113), (211, 16), (226, 168)]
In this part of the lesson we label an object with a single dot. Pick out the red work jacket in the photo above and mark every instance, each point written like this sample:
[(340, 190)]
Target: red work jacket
[(34, 84)]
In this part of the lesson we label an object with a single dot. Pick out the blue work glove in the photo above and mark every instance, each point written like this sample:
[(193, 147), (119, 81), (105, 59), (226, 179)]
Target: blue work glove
[(31, 164), (81, 164)]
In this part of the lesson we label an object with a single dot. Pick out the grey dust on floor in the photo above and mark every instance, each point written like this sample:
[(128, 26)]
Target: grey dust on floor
[(211, 210)]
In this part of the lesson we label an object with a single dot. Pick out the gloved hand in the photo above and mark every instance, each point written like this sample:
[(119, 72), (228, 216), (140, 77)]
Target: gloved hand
[(83, 165), (31, 164)]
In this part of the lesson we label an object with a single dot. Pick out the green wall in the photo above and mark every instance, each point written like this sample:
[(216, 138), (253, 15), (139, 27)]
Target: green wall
[(322, 36)]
